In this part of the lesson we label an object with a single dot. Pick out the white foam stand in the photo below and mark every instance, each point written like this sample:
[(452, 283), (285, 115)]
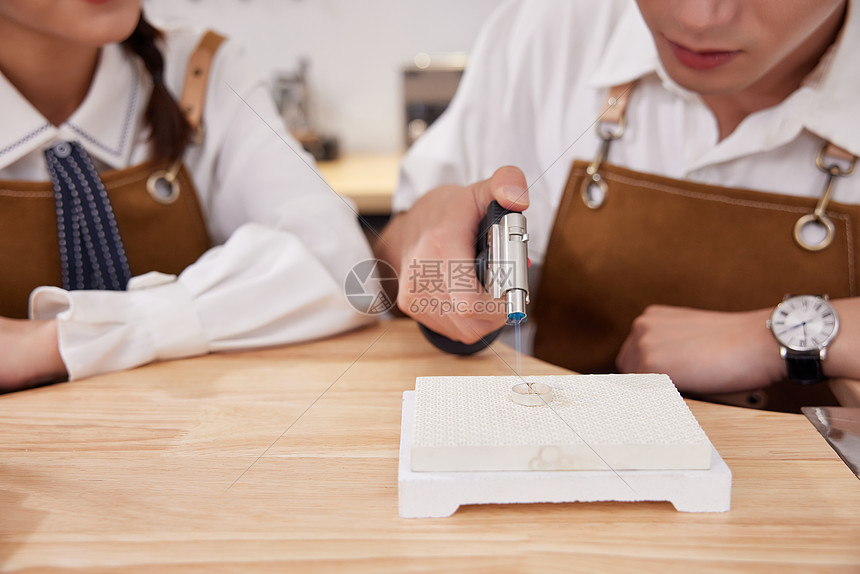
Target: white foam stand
[(440, 494)]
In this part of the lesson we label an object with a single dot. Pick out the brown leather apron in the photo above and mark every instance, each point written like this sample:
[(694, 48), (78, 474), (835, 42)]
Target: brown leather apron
[(657, 240), (160, 232)]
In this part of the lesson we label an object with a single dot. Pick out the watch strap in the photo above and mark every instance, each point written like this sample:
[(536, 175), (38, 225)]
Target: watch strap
[(804, 368)]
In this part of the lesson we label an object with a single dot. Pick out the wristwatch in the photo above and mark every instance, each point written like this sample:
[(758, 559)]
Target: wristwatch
[(804, 325)]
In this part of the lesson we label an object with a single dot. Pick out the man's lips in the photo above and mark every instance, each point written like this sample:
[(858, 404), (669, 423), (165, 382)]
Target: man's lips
[(702, 60)]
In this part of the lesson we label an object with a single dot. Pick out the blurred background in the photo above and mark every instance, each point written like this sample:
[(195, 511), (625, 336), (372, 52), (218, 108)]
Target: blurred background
[(342, 68)]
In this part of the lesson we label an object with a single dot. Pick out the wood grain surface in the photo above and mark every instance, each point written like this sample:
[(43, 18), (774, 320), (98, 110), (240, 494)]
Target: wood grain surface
[(285, 460)]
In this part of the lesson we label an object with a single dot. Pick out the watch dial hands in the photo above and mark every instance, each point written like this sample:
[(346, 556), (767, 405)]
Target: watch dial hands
[(804, 325)]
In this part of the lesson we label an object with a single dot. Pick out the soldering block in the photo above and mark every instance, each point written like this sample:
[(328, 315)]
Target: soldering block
[(440, 494), (593, 422)]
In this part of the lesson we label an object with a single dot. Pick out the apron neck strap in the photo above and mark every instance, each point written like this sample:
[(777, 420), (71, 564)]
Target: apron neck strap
[(837, 152), (619, 96), (196, 79)]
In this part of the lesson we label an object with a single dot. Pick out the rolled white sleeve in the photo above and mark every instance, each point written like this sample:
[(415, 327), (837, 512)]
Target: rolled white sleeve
[(101, 331), (261, 288)]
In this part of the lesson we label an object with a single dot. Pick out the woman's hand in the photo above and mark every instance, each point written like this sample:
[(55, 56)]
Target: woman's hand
[(29, 354), (432, 248), (703, 351)]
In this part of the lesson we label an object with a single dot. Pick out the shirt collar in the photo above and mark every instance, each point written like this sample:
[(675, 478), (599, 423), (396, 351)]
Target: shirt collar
[(24, 128), (106, 122), (825, 105)]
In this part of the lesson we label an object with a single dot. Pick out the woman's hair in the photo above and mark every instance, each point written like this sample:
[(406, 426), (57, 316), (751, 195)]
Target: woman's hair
[(169, 129)]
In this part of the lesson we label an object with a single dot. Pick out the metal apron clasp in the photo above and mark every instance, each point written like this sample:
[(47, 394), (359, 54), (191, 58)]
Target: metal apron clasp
[(594, 189), (819, 216), (163, 186)]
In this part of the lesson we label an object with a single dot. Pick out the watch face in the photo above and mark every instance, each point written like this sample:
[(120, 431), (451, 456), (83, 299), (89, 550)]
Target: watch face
[(804, 323)]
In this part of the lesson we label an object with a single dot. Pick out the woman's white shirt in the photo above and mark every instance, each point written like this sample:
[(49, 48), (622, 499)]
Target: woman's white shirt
[(284, 240)]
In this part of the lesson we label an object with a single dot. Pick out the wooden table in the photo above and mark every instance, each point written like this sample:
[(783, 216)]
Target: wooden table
[(285, 460), (368, 179)]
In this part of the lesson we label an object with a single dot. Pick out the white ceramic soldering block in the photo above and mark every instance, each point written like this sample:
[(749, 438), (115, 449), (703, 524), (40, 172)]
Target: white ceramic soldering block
[(593, 422), (440, 494)]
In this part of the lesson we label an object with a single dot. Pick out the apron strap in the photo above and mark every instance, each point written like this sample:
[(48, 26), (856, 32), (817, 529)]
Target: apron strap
[(619, 96), (594, 190), (162, 185), (196, 79), (837, 152)]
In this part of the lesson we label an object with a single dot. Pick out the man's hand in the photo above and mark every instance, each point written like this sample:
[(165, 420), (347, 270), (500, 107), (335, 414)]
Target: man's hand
[(703, 351), (29, 354), (438, 237)]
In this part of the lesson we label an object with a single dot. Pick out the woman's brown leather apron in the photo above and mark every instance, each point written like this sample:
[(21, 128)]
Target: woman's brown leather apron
[(657, 240), (160, 233)]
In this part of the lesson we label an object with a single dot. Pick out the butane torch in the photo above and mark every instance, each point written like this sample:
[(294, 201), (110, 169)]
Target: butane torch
[(501, 264), (502, 259)]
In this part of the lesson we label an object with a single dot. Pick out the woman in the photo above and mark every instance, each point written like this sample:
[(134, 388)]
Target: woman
[(669, 252), (228, 236)]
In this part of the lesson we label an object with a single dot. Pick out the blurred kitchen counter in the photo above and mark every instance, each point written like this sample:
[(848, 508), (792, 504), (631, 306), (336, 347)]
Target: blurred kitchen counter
[(367, 179)]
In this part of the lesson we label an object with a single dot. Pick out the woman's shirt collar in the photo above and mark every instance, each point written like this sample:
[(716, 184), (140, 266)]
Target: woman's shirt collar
[(106, 123)]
